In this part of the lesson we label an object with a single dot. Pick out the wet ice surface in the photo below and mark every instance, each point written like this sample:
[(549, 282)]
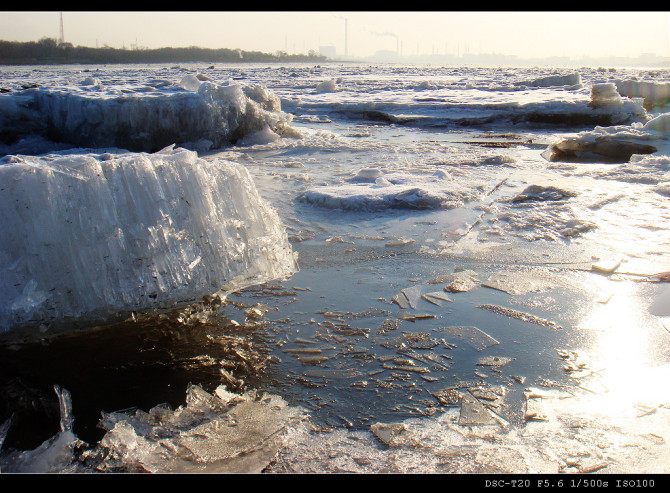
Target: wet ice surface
[(517, 331)]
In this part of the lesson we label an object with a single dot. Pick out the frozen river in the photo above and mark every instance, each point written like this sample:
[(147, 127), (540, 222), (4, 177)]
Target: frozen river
[(479, 283)]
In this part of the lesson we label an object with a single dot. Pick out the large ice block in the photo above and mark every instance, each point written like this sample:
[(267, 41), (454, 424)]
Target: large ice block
[(90, 235)]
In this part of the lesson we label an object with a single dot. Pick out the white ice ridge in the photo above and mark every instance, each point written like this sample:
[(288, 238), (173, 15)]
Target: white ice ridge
[(90, 235), (195, 114)]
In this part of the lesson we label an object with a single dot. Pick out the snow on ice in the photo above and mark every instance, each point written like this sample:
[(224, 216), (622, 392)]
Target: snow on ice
[(88, 235)]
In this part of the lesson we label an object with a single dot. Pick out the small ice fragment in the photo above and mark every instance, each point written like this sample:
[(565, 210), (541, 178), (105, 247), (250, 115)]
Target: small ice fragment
[(473, 336), (392, 434), (401, 300), (399, 242), (473, 412), (413, 294), (606, 266), (525, 317), (313, 360), (494, 361), (302, 350), (405, 315), (65, 406), (436, 297)]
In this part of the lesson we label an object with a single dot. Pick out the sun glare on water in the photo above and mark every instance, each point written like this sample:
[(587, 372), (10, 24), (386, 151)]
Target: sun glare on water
[(629, 376)]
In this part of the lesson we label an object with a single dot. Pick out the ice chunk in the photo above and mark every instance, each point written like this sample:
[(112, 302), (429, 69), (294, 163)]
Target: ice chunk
[(87, 236), (144, 121), (605, 94), (327, 86), (367, 175), (190, 83), (91, 81)]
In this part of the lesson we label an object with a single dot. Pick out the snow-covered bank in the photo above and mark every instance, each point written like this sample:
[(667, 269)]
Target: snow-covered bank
[(89, 235), (195, 114)]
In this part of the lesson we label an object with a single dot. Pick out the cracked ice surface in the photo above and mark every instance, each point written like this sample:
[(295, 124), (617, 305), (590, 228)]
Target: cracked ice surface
[(90, 235)]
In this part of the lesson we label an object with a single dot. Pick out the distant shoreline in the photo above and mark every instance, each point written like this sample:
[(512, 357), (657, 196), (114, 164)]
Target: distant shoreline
[(48, 51)]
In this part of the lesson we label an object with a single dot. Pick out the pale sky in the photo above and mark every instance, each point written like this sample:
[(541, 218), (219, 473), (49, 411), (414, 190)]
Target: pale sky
[(523, 34)]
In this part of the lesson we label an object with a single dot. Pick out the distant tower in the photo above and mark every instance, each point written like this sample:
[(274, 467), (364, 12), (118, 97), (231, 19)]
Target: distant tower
[(61, 40)]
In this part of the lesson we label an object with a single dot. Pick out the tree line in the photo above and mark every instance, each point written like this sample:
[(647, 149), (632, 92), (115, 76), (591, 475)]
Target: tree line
[(50, 51)]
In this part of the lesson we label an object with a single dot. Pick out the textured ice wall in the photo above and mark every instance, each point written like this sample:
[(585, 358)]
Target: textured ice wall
[(92, 234), (203, 115)]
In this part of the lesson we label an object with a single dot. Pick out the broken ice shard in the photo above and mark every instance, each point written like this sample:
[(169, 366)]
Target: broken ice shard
[(90, 236)]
